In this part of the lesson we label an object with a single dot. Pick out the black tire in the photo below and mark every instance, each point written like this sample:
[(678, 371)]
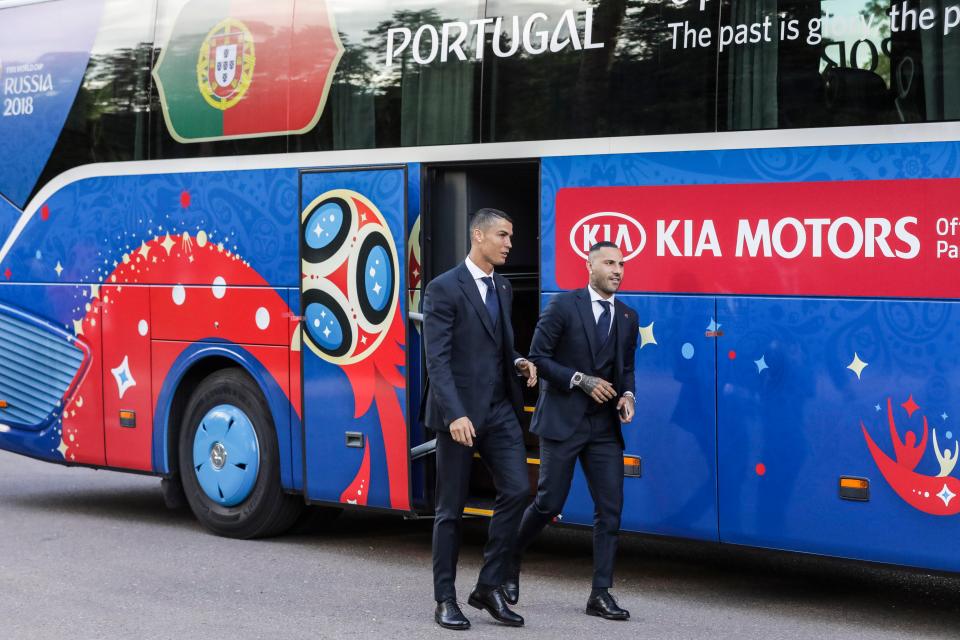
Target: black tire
[(267, 510)]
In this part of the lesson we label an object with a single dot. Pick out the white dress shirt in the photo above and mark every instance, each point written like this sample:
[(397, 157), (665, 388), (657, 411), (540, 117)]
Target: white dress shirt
[(597, 308), (478, 274), (595, 299)]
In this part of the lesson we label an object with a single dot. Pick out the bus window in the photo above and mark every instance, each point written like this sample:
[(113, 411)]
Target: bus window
[(835, 63), (614, 74), (108, 119), (388, 91)]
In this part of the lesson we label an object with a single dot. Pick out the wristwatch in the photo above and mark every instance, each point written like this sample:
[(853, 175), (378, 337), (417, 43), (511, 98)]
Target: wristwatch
[(577, 379)]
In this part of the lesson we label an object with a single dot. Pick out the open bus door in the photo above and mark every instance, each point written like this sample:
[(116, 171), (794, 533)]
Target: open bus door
[(353, 309)]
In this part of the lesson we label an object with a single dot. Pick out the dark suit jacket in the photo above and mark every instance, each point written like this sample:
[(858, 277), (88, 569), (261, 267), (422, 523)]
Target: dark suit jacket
[(460, 344), (563, 344)]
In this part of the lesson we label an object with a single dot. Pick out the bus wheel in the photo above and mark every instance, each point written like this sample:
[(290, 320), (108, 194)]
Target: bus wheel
[(229, 462)]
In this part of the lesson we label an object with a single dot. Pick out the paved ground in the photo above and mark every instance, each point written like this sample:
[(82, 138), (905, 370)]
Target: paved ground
[(94, 554)]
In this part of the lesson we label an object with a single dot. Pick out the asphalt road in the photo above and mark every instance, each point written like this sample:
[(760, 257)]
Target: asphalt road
[(94, 554)]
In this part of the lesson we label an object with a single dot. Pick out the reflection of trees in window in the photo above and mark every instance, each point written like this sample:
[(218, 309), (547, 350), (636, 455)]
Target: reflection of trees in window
[(351, 100), (635, 84), (118, 95), (878, 11), (371, 105), (108, 119), (435, 101)]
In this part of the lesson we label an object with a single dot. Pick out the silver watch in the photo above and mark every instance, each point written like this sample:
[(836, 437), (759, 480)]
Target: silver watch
[(577, 379)]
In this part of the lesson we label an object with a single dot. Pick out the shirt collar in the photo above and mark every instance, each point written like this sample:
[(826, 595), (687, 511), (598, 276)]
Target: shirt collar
[(476, 271), (596, 297)]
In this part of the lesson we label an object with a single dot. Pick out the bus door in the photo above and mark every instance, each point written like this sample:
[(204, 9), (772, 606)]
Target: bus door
[(353, 308)]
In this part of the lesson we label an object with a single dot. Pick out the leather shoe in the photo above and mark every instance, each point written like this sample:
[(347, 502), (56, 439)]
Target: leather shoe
[(449, 616), (604, 606), (511, 586), (492, 600)]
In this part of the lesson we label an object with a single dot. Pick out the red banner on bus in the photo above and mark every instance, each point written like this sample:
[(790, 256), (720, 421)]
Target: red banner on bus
[(886, 238)]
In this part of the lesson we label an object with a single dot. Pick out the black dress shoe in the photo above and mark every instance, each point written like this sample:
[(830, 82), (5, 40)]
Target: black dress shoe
[(604, 606), (511, 587), (492, 600), (449, 616)]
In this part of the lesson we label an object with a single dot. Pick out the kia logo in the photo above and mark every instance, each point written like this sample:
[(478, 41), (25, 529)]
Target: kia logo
[(608, 226)]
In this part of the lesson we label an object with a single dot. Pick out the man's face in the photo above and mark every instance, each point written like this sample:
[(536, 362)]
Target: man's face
[(494, 241), (606, 269)]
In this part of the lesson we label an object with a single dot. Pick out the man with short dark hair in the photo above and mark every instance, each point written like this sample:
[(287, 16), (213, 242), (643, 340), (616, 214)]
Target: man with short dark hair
[(584, 347), (474, 404)]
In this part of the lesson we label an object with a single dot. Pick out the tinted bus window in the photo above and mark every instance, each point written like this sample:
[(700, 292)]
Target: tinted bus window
[(588, 68), (108, 119), (396, 84), (837, 62)]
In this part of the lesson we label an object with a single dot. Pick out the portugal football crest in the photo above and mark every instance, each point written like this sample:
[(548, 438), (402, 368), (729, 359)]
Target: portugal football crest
[(225, 65)]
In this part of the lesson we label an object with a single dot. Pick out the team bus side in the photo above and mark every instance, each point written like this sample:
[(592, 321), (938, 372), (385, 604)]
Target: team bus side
[(217, 218)]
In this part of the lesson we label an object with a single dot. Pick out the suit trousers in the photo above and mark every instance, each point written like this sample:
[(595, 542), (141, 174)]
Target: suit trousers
[(596, 444), (501, 447)]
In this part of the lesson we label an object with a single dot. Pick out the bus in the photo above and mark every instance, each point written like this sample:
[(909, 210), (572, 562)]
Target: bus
[(217, 218)]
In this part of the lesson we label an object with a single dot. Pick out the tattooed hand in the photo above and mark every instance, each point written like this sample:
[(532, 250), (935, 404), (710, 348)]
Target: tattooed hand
[(597, 388)]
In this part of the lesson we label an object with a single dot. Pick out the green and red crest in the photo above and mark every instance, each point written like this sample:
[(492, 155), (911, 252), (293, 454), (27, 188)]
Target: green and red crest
[(244, 69)]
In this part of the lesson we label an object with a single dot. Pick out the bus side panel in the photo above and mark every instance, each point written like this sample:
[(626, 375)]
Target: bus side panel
[(50, 373), (126, 377), (267, 365), (810, 390), (674, 431)]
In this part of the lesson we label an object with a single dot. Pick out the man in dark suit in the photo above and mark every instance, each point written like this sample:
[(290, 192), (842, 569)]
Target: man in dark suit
[(473, 404), (584, 347)]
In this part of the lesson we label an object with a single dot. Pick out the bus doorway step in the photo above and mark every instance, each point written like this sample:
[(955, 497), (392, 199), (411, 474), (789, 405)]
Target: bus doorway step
[(423, 450)]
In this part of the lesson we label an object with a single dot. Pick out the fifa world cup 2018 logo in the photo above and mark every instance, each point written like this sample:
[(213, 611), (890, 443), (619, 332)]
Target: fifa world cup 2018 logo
[(349, 269), (350, 300)]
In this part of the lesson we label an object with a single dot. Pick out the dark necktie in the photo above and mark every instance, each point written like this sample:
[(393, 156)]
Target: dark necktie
[(603, 323), (492, 301)]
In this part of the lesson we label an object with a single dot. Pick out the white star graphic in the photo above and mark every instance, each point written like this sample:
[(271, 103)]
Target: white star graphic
[(326, 332), (946, 495), (317, 230), (377, 288), (123, 376), (761, 364), (167, 244), (58, 268), (857, 366), (646, 336)]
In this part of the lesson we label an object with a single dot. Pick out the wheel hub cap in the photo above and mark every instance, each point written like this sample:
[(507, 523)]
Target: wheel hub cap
[(226, 455), (218, 456)]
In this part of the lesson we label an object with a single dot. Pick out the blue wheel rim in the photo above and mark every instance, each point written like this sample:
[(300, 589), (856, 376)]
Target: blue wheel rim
[(226, 455)]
